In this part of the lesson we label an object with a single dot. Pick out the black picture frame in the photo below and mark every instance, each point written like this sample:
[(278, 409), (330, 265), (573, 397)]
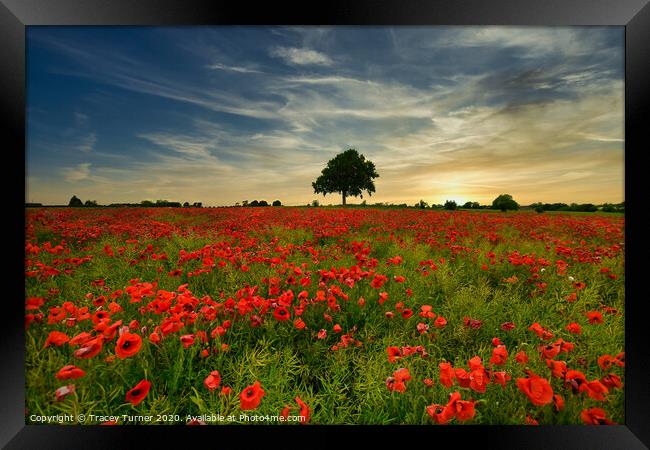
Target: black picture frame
[(634, 15)]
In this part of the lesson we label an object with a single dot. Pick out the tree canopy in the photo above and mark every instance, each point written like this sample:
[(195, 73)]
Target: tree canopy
[(504, 202), (74, 201), (348, 173)]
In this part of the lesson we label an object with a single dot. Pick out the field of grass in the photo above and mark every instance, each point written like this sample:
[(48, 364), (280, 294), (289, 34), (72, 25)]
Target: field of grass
[(343, 316)]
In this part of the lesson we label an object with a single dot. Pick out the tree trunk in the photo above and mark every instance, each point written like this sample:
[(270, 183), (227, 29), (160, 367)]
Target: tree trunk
[(343, 194)]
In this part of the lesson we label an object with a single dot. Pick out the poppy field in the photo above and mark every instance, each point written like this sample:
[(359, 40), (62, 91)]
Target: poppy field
[(293, 316)]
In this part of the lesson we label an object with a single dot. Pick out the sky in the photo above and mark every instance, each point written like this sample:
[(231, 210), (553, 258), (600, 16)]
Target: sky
[(223, 114)]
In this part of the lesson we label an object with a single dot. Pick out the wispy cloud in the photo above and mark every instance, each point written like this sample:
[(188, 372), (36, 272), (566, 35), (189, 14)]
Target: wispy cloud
[(301, 56), (75, 174), (87, 143), (238, 69)]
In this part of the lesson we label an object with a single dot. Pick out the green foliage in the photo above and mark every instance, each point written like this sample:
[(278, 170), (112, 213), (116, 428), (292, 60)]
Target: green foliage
[(505, 202), (349, 174), (471, 205), (451, 205), (74, 201)]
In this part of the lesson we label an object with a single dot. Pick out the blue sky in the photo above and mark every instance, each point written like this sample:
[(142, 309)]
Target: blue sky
[(225, 114)]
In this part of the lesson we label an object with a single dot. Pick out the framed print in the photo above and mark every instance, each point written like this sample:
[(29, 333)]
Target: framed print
[(399, 219)]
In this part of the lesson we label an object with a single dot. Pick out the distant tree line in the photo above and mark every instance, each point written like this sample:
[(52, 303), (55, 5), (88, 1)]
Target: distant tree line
[(584, 207), (76, 202), (255, 203), (503, 202)]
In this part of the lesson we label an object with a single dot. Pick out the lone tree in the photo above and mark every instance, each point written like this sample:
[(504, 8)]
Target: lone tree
[(74, 201), (504, 202), (348, 173)]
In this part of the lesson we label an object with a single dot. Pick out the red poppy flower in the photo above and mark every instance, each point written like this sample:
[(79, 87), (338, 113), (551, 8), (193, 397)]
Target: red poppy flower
[(619, 359), (128, 344), (537, 389), (463, 377), (612, 381), (299, 323), (90, 348), (499, 355), (440, 414), (218, 331), (402, 374), (550, 351), (595, 389), (213, 380), (447, 374), (558, 402), (541, 332), (407, 313), (475, 363), (393, 353), (81, 338), (154, 338), (574, 328), (558, 368), (579, 285), (472, 323), (521, 357), (426, 312), (440, 322), (251, 396), (595, 416), (464, 410), (478, 380), (56, 338), (531, 421), (305, 412), (70, 373), (595, 317), (501, 378), (507, 326), (337, 328), (187, 340), (62, 392), (398, 381), (428, 382), (281, 314), (461, 409), (605, 361), (322, 334), (574, 379), (138, 393)]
